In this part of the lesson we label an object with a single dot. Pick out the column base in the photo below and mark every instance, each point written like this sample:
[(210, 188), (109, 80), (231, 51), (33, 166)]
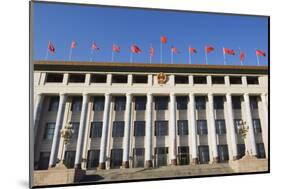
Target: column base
[(125, 164), (173, 162), (148, 163), (101, 165), (51, 166), (194, 161), (77, 166), (215, 159), (234, 158)]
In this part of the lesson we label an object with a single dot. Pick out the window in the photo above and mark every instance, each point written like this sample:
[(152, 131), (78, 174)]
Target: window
[(257, 126), (98, 78), (236, 125), (120, 103), (93, 158), (44, 160), (260, 150), (199, 79), (218, 102), (119, 78), (116, 158), (252, 80), (138, 157), (240, 150), (54, 77), (76, 104), (200, 102), (235, 80), (202, 127), (161, 103), (139, 128), (161, 156), (223, 153), (69, 158), (76, 78), (98, 103), (140, 102), (181, 79), (75, 127), (96, 129), (140, 79), (236, 102), (204, 157), (253, 102), (182, 127), (181, 102), (217, 80), (220, 126), (54, 104), (161, 128), (118, 129), (183, 155), (49, 131)]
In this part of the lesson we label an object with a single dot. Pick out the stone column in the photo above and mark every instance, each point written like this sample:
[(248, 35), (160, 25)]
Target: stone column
[(58, 126), (81, 133), (265, 123), (148, 132), (126, 139), (249, 123), (172, 130), (231, 126), (193, 130), (37, 112), (212, 126), (104, 131)]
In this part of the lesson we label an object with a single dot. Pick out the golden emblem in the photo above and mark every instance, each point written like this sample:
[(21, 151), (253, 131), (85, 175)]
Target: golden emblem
[(162, 78)]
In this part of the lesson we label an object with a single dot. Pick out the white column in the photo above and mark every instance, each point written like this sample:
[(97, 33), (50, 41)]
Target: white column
[(193, 130), (212, 128), (81, 133), (58, 126), (249, 123), (148, 131), (150, 80), (172, 130), (108, 79), (37, 112), (209, 80), (130, 79), (265, 123), (172, 80), (227, 80), (104, 131), (244, 81), (126, 139), (190, 80), (231, 126)]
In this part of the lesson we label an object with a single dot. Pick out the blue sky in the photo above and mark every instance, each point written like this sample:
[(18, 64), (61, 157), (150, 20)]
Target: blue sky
[(107, 25)]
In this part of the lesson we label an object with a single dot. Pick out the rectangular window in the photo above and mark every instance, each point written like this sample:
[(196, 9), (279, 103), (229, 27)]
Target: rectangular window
[(76, 78), (204, 157), (181, 79), (161, 102), (49, 131), (116, 158), (200, 102), (54, 104), (119, 78), (161, 128), (253, 102), (181, 102), (118, 129), (236, 102), (182, 127), (236, 125), (139, 128), (44, 161), (183, 155), (257, 126), (138, 157), (161, 154), (98, 103), (235, 80), (120, 103), (223, 153), (96, 129), (218, 102), (202, 127), (240, 150), (76, 104), (260, 150), (75, 127), (98, 78), (140, 102), (200, 79), (69, 158), (141, 79), (217, 79), (54, 77), (93, 159), (220, 126), (252, 80)]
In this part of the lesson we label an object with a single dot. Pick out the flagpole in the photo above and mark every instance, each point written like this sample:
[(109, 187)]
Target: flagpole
[(47, 53), (131, 57), (189, 55), (150, 58), (91, 56), (172, 57), (70, 53), (112, 56), (258, 60), (161, 52), (206, 57), (224, 57)]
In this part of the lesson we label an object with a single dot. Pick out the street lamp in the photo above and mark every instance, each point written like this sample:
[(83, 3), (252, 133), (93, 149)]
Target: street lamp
[(243, 131), (66, 134)]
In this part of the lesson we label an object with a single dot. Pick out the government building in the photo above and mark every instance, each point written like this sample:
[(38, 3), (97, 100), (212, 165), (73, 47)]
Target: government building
[(130, 116)]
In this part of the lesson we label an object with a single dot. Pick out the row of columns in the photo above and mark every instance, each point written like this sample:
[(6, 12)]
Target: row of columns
[(148, 128)]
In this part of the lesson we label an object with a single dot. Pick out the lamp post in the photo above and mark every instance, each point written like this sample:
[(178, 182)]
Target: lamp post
[(243, 131), (66, 134)]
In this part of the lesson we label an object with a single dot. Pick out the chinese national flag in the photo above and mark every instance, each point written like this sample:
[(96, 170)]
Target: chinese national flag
[(228, 51), (115, 48), (260, 53), (73, 44), (51, 47), (209, 48), (174, 50), (163, 39), (192, 50), (242, 55), (135, 49), (95, 47), (151, 51)]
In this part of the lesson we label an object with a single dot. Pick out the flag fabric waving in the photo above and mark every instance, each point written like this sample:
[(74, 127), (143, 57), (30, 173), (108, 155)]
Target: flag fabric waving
[(164, 39), (151, 51), (260, 53), (115, 48), (192, 50), (73, 44), (228, 51), (209, 48), (95, 47), (135, 49), (242, 56), (174, 50), (51, 47)]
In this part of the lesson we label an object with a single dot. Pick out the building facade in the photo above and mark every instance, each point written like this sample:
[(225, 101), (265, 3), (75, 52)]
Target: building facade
[(147, 115)]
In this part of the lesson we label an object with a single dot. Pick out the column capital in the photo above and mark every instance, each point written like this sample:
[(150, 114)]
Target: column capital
[(191, 94), (149, 94), (264, 94), (210, 94), (129, 94), (246, 94), (62, 93), (85, 94), (172, 94), (107, 94)]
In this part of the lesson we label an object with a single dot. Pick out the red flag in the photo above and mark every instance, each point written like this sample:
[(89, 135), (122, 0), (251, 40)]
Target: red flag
[(242, 55), (174, 50), (228, 51), (163, 39), (51, 47), (151, 51), (260, 53), (135, 49), (95, 47), (192, 50), (115, 48), (209, 48), (73, 44)]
